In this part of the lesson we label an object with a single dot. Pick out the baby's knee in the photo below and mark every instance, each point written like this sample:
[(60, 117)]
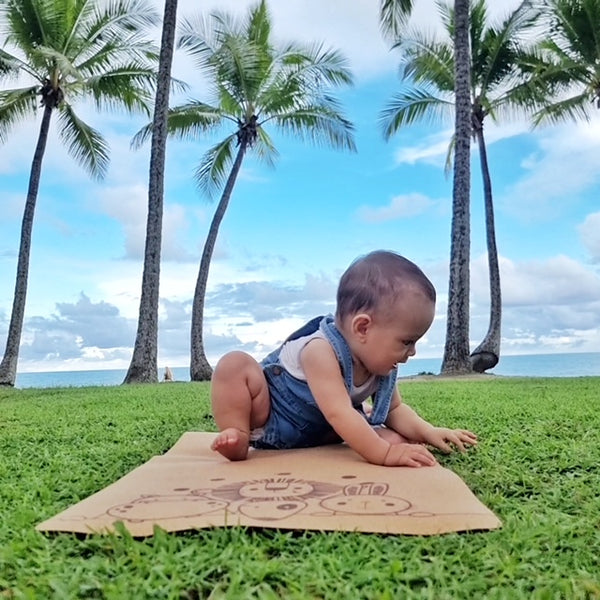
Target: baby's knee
[(235, 365)]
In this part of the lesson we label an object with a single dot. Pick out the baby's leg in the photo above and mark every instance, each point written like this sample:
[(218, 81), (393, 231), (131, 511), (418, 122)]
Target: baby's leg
[(240, 403)]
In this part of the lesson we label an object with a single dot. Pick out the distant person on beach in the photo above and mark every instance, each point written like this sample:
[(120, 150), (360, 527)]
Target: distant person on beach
[(310, 391), (168, 376)]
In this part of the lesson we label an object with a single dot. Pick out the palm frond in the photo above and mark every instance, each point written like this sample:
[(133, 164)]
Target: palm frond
[(412, 105), (316, 63), (228, 103), (241, 66), (117, 20), (320, 123), (576, 108), (187, 121), (299, 73), (56, 61), (128, 86), (264, 148), (12, 66), (84, 144), (134, 48), (393, 16), (497, 54), (15, 106), (214, 167), (561, 73), (576, 27), (198, 38), (428, 61), (232, 62), (449, 156), (29, 23), (258, 25)]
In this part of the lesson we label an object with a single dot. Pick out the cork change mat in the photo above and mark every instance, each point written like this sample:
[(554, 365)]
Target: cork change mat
[(326, 488)]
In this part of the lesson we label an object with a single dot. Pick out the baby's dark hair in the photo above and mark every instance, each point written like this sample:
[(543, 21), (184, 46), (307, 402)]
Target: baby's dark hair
[(376, 278)]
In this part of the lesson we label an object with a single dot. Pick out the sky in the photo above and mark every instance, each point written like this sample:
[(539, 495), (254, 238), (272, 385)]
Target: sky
[(290, 231)]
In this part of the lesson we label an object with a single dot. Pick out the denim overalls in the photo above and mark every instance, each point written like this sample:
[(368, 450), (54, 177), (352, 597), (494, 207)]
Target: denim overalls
[(295, 420)]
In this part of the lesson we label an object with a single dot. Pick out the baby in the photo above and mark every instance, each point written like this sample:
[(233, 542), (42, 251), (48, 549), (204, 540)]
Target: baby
[(310, 391)]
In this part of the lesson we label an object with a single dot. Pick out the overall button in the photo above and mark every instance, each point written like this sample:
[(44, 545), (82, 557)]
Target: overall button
[(276, 370)]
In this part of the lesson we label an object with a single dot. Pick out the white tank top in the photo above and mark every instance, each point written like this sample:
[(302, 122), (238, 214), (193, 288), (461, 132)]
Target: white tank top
[(289, 357)]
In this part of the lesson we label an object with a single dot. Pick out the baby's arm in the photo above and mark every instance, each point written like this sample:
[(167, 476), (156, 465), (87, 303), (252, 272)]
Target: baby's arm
[(403, 419), (327, 386)]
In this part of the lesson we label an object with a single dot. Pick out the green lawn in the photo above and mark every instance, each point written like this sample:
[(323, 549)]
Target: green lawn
[(537, 467)]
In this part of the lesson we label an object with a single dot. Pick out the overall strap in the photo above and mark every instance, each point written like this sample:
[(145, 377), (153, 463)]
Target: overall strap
[(383, 395), (306, 329), (340, 347), (383, 398)]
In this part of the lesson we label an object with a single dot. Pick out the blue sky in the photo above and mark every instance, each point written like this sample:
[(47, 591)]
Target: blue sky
[(291, 231)]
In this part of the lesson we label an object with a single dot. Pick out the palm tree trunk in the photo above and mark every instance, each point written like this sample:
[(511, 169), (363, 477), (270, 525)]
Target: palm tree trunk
[(143, 367), (487, 354), (200, 369), (8, 366), (456, 349)]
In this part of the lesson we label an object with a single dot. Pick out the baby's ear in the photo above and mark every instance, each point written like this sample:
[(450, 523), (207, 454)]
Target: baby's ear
[(361, 324)]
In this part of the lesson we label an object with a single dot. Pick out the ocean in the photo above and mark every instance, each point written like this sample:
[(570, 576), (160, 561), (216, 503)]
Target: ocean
[(527, 365)]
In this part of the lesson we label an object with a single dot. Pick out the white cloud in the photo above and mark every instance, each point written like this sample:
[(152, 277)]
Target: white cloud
[(589, 232), (548, 305), (404, 206), (129, 206), (564, 166), (433, 149), (558, 280)]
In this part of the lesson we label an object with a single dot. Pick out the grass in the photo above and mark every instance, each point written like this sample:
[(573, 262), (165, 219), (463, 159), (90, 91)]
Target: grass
[(537, 467)]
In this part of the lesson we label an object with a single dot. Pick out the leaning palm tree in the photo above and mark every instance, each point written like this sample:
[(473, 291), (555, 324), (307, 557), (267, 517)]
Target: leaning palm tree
[(564, 71), (68, 50), (255, 84), (429, 65), (143, 367)]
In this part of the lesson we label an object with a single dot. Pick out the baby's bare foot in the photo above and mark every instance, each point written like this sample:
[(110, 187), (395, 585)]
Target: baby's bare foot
[(232, 443)]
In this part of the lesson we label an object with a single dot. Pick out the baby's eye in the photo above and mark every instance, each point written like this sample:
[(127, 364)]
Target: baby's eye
[(409, 342)]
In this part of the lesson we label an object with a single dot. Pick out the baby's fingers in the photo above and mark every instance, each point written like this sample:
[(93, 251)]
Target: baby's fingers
[(410, 455), (441, 444), (460, 437), (421, 455), (467, 436)]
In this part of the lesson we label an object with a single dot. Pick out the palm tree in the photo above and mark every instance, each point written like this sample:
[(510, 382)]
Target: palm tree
[(69, 50), (456, 349), (564, 72), (429, 64), (143, 366), (393, 16), (255, 84)]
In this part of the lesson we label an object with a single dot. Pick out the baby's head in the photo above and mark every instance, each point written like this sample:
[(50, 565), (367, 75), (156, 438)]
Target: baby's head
[(385, 303), (375, 282)]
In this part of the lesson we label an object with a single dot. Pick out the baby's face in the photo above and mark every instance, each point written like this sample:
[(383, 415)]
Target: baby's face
[(391, 338)]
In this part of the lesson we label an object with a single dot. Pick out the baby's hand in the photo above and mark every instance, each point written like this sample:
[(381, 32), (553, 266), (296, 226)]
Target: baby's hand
[(409, 455), (442, 437)]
